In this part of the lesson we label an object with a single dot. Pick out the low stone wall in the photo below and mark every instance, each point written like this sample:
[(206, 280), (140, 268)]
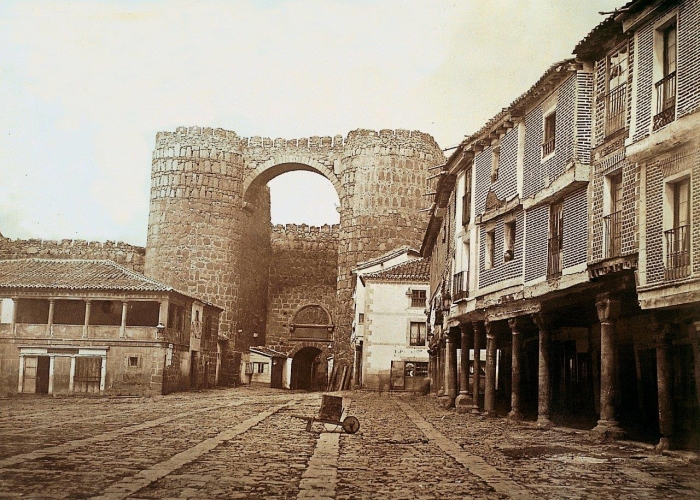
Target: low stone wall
[(129, 256)]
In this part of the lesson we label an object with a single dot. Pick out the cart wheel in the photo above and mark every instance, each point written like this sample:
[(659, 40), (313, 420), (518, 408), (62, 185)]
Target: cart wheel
[(351, 425)]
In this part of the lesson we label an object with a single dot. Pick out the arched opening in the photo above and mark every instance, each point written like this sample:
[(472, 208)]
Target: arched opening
[(309, 370), (303, 197)]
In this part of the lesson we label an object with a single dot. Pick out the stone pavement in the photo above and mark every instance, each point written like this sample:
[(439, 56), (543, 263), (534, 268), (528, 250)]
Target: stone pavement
[(247, 443)]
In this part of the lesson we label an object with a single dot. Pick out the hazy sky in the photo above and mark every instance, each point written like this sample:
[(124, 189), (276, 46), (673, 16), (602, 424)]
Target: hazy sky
[(85, 86)]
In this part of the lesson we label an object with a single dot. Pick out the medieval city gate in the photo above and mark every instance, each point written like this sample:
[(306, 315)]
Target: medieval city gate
[(209, 230)]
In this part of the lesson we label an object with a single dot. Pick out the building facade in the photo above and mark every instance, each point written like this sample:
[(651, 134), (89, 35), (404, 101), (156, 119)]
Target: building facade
[(94, 327), (389, 329), (565, 230)]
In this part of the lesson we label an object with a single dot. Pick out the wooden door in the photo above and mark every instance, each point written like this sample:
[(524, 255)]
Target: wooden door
[(88, 374), (29, 382)]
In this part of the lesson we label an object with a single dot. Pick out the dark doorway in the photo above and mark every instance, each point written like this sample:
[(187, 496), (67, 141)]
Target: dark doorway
[(308, 370), (276, 373), (42, 375), (194, 362)]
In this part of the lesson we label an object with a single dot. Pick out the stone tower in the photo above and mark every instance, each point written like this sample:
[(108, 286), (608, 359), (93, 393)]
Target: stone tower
[(209, 226)]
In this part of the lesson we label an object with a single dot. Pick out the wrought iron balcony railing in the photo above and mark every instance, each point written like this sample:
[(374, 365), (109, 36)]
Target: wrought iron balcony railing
[(615, 110), (554, 256), (665, 101), (613, 234), (548, 147), (460, 285), (677, 253)]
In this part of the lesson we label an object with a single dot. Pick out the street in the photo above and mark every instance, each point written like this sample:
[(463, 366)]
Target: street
[(246, 443)]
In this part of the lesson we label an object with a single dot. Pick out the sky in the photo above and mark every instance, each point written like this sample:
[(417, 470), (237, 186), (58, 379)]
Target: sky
[(86, 85)]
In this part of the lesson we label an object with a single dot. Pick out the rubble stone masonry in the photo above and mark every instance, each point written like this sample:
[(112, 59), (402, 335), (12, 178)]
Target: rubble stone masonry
[(130, 256)]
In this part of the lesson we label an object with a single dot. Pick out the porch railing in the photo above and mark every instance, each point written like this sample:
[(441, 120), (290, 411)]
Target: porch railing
[(613, 234), (677, 252), (665, 101)]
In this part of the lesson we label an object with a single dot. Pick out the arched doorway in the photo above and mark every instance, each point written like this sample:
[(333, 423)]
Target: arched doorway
[(309, 370)]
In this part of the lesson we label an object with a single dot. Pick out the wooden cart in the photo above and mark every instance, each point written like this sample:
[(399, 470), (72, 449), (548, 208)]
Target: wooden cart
[(330, 413)]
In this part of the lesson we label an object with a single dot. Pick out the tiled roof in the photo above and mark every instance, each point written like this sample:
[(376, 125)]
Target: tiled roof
[(266, 351), (387, 256), (412, 270), (75, 274)]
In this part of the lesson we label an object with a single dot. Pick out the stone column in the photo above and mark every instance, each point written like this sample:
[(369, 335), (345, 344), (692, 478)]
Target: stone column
[(441, 367), (544, 385), (664, 376), (71, 379), (463, 401), (490, 386), (516, 325), (608, 312), (122, 327), (478, 332), (87, 319), (52, 363), (450, 369), (358, 361), (20, 385), (49, 323), (696, 359)]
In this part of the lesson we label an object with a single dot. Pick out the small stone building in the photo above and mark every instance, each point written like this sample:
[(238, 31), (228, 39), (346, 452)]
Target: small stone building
[(94, 327), (389, 328)]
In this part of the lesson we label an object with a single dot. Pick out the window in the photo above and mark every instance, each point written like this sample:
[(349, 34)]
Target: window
[(555, 246), (259, 367), (417, 298), (550, 122), (508, 241), (616, 97), (466, 199), (495, 162), (666, 87), (361, 318), (490, 249), (133, 362), (460, 282), (417, 333), (678, 236), (613, 221), (416, 369)]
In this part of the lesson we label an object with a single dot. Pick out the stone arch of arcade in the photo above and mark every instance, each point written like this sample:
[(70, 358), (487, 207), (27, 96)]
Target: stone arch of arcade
[(209, 221)]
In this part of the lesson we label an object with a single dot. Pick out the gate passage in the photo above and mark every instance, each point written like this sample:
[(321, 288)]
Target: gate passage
[(330, 413)]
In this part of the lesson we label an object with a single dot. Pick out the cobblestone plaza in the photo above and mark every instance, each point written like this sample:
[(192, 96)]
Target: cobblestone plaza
[(246, 443)]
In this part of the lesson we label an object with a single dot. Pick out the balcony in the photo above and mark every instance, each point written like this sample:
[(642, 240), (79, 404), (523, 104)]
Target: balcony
[(613, 234), (665, 101), (554, 247), (677, 253), (460, 286), (615, 110)]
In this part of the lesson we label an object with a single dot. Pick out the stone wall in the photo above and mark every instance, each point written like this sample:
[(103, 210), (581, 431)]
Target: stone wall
[(303, 270), (130, 256)]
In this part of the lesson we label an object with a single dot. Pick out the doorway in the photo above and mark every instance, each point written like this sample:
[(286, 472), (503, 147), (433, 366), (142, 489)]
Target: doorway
[(308, 372), (36, 375), (194, 362), (276, 373)]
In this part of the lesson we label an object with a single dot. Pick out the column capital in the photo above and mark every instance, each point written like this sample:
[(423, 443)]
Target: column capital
[(608, 309), (478, 326), (516, 324), (661, 333), (542, 321), (467, 327), (696, 324)]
